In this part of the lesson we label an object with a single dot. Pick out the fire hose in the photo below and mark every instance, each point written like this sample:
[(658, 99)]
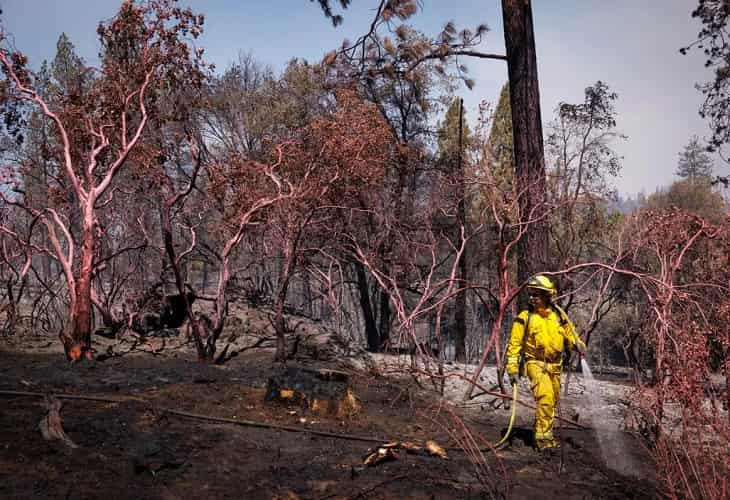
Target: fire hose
[(512, 418)]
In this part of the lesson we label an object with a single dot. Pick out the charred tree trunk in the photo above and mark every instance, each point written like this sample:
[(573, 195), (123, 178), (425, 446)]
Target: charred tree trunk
[(46, 261), (284, 280), (460, 319), (279, 323), (203, 337), (13, 302), (280, 327), (110, 323), (206, 279), (10, 308), (308, 305), (519, 38), (205, 348), (460, 305), (107, 318), (371, 330), (384, 317)]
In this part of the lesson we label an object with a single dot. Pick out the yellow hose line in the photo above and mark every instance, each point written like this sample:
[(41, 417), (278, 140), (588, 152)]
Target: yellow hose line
[(512, 418)]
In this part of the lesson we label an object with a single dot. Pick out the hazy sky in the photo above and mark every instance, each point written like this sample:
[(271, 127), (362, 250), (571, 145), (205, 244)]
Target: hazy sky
[(630, 44)]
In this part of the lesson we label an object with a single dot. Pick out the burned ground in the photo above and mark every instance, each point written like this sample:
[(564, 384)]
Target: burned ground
[(136, 447)]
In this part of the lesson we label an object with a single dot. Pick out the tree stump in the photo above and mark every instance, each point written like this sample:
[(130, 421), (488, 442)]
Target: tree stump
[(325, 392), (161, 312)]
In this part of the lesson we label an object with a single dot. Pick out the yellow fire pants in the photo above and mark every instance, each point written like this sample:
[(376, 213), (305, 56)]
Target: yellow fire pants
[(545, 383)]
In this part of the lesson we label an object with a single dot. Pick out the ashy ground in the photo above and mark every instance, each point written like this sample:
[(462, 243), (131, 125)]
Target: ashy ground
[(137, 439)]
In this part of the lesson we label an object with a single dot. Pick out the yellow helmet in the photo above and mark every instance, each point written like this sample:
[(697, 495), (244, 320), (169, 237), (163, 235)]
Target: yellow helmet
[(544, 283)]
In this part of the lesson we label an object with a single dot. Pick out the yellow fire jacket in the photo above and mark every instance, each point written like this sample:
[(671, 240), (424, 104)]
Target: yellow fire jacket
[(549, 331)]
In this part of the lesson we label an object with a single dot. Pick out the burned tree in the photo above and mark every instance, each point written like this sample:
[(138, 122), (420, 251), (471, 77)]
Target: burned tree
[(334, 158), (101, 131)]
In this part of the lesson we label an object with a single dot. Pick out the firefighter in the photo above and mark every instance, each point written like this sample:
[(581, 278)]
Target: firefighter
[(539, 335)]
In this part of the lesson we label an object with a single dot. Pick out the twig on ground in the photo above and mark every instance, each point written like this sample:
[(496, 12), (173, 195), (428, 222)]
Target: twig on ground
[(123, 399), (251, 423)]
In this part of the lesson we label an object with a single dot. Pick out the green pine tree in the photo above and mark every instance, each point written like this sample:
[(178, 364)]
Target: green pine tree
[(694, 162), (500, 144), (450, 147)]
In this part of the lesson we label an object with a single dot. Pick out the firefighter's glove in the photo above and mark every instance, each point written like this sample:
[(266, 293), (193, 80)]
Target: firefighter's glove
[(513, 378), (580, 346)]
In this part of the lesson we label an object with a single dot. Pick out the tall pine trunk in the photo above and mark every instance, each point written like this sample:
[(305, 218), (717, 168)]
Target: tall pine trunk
[(519, 38), (460, 303)]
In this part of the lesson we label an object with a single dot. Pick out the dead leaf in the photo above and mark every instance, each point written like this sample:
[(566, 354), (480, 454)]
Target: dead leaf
[(434, 449), (329, 58), (381, 455)]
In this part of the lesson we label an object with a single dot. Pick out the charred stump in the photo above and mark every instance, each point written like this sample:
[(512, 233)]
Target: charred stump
[(173, 312), (162, 312), (325, 392)]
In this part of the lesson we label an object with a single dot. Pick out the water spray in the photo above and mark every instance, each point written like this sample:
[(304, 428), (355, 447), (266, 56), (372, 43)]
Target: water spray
[(611, 441)]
